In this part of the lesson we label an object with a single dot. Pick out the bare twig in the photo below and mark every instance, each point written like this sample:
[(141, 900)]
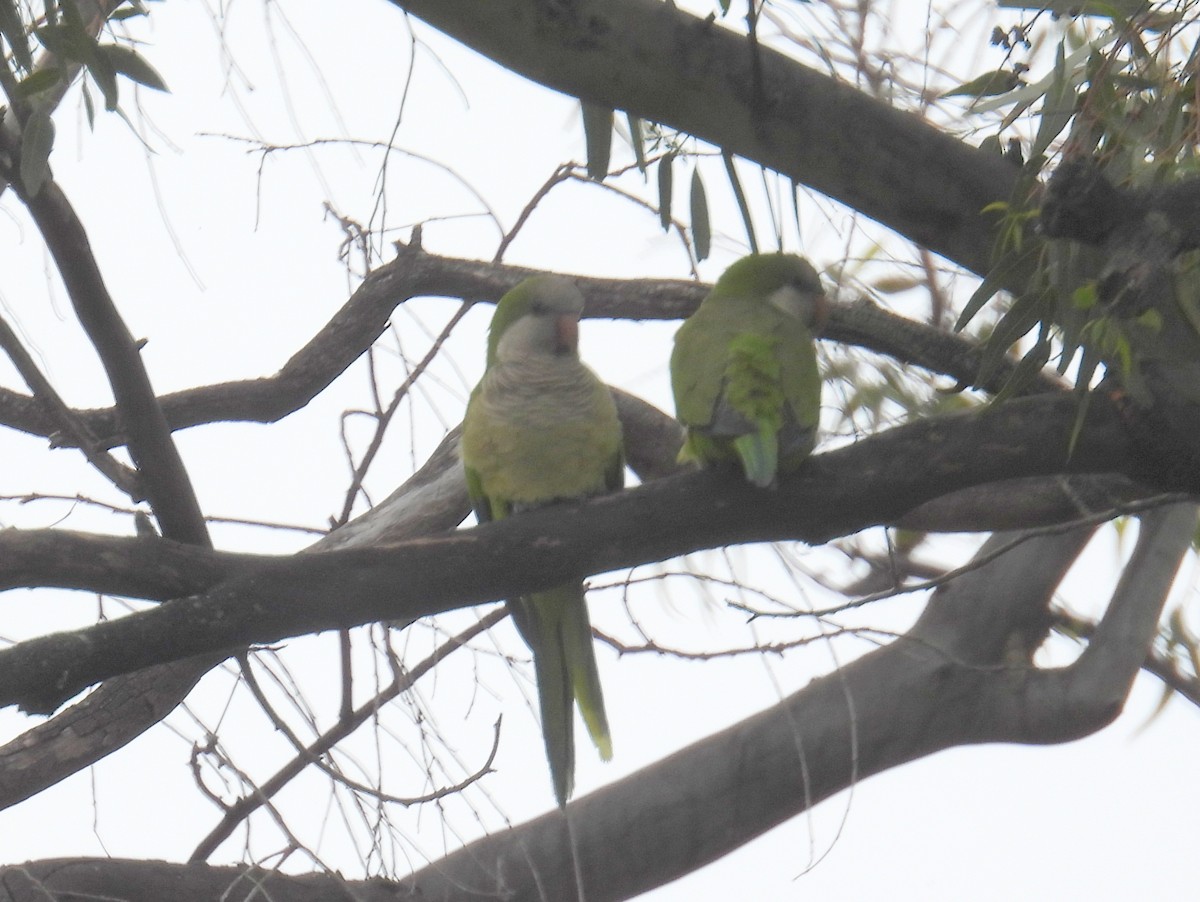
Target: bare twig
[(312, 752), (120, 475), (651, 647), (1133, 507), (416, 273)]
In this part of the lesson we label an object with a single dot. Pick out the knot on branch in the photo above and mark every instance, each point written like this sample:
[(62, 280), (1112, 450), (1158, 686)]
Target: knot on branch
[(1083, 205), (1145, 322)]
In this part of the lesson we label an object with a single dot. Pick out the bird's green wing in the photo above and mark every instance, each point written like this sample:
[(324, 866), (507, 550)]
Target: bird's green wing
[(697, 365), (800, 379), (799, 375), (755, 398), (470, 450), (726, 378), (480, 503)]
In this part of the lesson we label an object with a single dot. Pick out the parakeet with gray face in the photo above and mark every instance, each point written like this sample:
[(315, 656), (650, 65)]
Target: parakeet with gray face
[(744, 368), (541, 427)]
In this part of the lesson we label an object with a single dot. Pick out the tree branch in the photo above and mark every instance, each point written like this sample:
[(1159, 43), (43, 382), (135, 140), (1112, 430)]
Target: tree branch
[(889, 707), (665, 65), (415, 273), (843, 491), (153, 881), (1069, 702), (902, 702), (910, 699), (56, 409), (163, 475), (141, 567)]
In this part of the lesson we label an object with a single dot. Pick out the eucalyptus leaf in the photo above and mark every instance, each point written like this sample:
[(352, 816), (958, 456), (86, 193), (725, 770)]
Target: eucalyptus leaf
[(128, 62), (42, 80), (1023, 315), (637, 139), (37, 140), (105, 77), (1027, 368), (896, 284), (701, 229), (1058, 107), (597, 134), (665, 185), (89, 106), (127, 13), (990, 84), (13, 30), (740, 196)]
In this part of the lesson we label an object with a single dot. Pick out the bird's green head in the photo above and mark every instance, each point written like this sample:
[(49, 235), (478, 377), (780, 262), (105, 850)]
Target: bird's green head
[(538, 316), (783, 280)]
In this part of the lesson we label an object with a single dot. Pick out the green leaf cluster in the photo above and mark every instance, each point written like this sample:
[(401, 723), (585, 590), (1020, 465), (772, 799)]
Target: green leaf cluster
[(1122, 90), (70, 43)]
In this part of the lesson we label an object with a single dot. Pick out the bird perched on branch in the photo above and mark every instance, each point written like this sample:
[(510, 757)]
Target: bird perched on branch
[(744, 368), (541, 427)]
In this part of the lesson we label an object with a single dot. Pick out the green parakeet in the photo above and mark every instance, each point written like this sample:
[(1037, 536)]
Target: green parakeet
[(541, 427), (744, 368)]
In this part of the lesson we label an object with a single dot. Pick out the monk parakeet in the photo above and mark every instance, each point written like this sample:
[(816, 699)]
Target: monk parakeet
[(541, 427), (744, 368)]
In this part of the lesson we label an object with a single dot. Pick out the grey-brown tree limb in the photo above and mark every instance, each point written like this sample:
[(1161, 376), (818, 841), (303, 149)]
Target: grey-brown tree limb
[(433, 500), (963, 675), (126, 707), (872, 482), (665, 65), (415, 273), (163, 478), (668, 66)]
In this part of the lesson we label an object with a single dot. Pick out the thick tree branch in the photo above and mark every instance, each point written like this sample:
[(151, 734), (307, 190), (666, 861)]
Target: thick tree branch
[(163, 475), (436, 497), (140, 567), (1052, 706), (432, 500), (143, 881), (921, 694), (834, 494), (902, 702), (912, 698), (665, 65), (68, 423), (1025, 503), (415, 273)]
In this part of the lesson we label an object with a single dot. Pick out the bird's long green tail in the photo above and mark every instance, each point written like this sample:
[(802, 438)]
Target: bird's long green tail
[(759, 454), (555, 625)]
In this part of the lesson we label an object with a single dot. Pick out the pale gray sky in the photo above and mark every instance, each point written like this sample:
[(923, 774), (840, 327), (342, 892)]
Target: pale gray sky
[(1110, 817)]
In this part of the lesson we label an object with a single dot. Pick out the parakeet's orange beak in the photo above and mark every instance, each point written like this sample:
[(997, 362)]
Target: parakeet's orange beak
[(567, 334)]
